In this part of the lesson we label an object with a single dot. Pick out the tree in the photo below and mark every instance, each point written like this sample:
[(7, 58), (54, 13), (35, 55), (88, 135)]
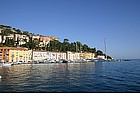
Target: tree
[(99, 52), (93, 50), (109, 57), (9, 42), (18, 31), (66, 40), (17, 42), (85, 48), (31, 44), (72, 47)]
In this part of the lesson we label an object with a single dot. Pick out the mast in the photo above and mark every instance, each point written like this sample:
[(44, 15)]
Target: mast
[(105, 49)]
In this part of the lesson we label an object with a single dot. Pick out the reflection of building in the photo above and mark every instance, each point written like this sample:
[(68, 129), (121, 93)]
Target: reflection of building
[(12, 54)]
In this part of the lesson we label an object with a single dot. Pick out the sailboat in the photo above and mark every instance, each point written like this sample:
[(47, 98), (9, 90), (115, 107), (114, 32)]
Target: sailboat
[(102, 58)]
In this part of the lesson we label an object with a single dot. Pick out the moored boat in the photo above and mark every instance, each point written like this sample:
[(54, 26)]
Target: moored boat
[(64, 61), (5, 64)]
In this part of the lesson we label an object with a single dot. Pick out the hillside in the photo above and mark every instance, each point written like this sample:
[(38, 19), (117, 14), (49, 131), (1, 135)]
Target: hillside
[(15, 37)]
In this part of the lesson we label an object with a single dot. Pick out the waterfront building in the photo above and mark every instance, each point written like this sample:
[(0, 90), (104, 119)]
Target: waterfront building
[(4, 54), (41, 55), (73, 56), (88, 55), (60, 55), (13, 54), (79, 55), (53, 56), (56, 56), (100, 57), (45, 55), (19, 55)]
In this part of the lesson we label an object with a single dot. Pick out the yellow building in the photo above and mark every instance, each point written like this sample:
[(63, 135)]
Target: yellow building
[(13, 54), (88, 55)]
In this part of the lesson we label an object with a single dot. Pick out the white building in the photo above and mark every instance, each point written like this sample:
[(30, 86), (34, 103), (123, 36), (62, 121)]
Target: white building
[(73, 56), (21, 37), (36, 37), (100, 57), (41, 55), (44, 55)]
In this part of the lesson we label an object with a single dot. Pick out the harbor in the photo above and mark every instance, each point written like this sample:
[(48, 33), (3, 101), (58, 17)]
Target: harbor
[(72, 77), (18, 55)]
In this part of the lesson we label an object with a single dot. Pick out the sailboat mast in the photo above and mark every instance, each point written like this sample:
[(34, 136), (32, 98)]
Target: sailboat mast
[(105, 49)]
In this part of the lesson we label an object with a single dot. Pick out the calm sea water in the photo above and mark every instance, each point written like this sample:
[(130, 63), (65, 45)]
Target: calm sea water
[(72, 77)]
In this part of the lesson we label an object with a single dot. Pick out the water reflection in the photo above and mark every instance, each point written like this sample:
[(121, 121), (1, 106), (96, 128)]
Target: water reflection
[(45, 77), (71, 77)]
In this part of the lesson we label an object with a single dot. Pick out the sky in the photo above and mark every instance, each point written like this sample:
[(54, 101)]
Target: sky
[(87, 21)]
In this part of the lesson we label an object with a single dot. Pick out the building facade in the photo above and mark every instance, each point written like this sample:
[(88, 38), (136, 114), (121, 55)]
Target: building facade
[(88, 55), (41, 55), (12, 54), (73, 56), (100, 57), (45, 55)]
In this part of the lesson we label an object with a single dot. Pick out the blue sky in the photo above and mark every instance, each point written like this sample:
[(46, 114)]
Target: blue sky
[(87, 21)]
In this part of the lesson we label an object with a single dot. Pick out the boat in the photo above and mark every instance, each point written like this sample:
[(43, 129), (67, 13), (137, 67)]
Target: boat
[(64, 61), (5, 64), (52, 61), (94, 60), (102, 58)]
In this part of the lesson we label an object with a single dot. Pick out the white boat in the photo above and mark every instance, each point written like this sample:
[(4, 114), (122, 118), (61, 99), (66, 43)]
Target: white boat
[(6, 64), (52, 61)]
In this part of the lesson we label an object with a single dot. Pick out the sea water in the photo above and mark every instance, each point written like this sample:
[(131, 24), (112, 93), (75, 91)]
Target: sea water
[(72, 77)]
